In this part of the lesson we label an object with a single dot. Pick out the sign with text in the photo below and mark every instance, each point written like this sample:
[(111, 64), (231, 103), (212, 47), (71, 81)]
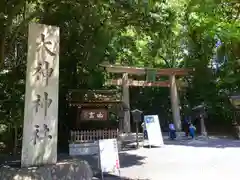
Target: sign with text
[(39, 145), (94, 114), (153, 130), (108, 156)]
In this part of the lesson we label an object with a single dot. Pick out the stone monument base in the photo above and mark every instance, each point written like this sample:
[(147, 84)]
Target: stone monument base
[(72, 169)]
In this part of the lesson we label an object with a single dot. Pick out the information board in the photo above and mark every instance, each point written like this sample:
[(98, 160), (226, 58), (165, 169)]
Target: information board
[(154, 133), (108, 156)]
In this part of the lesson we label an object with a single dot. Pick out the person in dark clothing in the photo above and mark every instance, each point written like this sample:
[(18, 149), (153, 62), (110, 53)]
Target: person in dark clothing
[(145, 134), (186, 125)]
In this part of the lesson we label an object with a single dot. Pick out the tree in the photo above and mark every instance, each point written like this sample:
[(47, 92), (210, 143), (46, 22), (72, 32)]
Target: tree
[(152, 33)]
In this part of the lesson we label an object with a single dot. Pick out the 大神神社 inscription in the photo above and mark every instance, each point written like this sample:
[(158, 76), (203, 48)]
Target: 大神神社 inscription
[(42, 47), (44, 131), (41, 97), (44, 103), (43, 71)]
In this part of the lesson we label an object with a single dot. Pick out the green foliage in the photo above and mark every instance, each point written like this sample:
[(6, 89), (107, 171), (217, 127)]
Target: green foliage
[(153, 33)]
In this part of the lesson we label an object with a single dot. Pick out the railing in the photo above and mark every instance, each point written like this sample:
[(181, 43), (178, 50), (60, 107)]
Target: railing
[(82, 136)]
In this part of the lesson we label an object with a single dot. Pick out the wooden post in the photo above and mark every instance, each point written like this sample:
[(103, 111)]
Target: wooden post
[(175, 103), (125, 89)]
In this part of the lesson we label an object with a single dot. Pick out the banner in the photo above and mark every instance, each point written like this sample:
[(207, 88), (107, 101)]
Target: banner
[(153, 128)]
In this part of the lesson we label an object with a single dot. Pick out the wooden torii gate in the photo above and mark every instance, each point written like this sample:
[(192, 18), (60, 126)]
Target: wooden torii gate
[(125, 82)]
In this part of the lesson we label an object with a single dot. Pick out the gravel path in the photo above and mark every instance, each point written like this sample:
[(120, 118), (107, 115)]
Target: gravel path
[(202, 159)]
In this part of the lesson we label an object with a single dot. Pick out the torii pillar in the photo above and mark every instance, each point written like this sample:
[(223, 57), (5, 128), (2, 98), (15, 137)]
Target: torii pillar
[(125, 89), (175, 103)]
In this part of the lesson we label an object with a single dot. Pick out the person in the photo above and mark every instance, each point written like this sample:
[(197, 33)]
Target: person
[(145, 136), (172, 131), (186, 125), (192, 130)]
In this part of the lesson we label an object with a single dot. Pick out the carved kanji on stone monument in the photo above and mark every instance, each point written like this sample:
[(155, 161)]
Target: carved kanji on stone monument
[(43, 102), (43, 71), (37, 103), (42, 47), (47, 103), (41, 111), (41, 133)]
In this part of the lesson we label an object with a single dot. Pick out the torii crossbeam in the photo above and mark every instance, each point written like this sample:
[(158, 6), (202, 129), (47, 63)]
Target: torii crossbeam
[(125, 82)]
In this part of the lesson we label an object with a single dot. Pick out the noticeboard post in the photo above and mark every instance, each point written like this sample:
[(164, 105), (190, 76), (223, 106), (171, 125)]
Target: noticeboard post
[(108, 157), (137, 117), (154, 132)]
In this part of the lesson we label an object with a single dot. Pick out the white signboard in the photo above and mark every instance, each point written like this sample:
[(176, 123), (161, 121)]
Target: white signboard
[(83, 149), (153, 130), (108, 156), (41, 96)]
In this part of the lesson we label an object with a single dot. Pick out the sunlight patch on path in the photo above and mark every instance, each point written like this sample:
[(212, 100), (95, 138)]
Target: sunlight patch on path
[(178, 162)]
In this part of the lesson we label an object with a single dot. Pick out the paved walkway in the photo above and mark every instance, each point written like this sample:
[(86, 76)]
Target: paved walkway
[(199, 159)]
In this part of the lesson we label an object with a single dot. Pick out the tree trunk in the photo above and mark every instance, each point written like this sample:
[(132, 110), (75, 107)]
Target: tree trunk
[(2, 49), (15, 140)]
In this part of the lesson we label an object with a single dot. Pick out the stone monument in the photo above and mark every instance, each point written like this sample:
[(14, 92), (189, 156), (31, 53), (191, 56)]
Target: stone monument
[(39, 148), (41, 97)]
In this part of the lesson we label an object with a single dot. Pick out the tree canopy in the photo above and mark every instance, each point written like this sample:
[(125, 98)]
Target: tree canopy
[(199, 34)]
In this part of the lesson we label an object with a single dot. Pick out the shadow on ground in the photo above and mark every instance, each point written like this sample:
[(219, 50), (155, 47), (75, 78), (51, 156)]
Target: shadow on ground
[(112, 177), (126, 160)]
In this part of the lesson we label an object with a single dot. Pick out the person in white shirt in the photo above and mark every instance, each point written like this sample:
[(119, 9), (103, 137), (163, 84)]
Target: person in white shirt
[(172, 131), (171, 126)]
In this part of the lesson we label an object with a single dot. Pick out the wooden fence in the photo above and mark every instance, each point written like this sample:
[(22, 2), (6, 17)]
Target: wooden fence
[(81, 136)]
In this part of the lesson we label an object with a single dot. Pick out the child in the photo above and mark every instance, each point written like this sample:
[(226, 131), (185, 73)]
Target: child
[(192, 130)]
